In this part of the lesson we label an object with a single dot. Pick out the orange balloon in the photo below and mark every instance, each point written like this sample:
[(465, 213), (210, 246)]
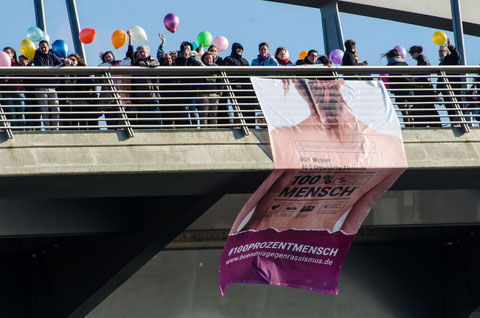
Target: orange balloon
[(303, 55), (119, 39), (87, 35)]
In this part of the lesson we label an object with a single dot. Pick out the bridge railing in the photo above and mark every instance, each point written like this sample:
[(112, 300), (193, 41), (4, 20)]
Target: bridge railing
[(130, 98)]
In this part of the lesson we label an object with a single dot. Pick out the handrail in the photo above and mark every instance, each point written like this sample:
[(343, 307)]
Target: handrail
[(131, 98)]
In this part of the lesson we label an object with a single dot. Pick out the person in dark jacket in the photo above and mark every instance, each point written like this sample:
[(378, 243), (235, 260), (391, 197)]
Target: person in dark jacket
[(48, 99), (236, 59), (349, 56), (395, 58), (187, 57), (423, 83), (449, 55), (216, 59), (79, 95), (311, 58)]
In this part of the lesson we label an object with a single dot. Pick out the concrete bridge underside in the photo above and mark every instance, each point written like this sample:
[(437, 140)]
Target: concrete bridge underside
[(82, 212)]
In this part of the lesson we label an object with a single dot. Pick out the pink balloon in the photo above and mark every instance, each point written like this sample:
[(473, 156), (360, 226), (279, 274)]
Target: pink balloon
[(221, 43), (171, 22), (5, 59), (402, 50)]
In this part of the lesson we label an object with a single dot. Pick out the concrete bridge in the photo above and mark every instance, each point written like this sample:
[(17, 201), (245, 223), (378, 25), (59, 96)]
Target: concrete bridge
[(82, 212)]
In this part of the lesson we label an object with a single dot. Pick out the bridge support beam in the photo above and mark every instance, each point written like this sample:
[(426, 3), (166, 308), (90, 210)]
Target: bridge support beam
[(332, 28), (40, 15), (75, 28), (458, 29)]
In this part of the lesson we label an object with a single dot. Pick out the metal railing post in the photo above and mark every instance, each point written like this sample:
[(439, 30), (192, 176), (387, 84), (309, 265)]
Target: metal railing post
[(235, 104), (6, 124), (121, 107), (458, 109)]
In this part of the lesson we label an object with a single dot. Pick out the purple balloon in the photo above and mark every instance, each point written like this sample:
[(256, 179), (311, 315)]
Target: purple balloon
[(171, 22), (336, 56), (402, 50)]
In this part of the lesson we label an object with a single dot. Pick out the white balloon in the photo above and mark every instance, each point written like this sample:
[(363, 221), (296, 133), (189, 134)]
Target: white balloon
[(138, 34), (46, 37)]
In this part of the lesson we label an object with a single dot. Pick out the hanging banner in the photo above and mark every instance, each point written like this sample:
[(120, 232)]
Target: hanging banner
[(337, 148)]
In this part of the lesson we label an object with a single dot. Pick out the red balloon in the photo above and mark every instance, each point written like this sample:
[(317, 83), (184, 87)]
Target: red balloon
[(171, 22), (87, 35)]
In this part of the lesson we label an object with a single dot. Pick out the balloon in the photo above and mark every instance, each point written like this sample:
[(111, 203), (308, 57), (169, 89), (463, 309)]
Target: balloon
[(46, 37), (5, 59), (60, 48), (303, 55), (171, 22), (439, 38), (385, 80), (28, 48), (119, 38), (35, 34), (402, 50), (138, 34), (221, 43), (205, 38), (87, 35), (336, 56), (195, 45)]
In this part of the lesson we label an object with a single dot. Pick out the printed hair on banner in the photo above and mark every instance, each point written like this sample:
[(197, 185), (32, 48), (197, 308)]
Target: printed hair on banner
[(337, 149)]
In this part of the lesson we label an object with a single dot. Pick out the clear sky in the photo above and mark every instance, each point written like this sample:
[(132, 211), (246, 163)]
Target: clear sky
[(248, 22)]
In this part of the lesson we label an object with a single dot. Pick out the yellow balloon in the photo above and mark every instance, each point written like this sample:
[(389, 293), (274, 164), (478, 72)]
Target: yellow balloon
[(439, 38), (28, 48), (119, 38)]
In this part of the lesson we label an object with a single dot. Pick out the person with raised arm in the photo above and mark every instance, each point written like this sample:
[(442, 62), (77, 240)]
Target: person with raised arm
[(449, 55)]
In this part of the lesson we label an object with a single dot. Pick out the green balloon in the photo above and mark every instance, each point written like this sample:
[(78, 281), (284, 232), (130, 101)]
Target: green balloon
[(205, 38)]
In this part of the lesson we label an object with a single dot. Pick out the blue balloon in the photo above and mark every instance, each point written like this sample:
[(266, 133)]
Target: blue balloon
[(60, 48), (195, 45), (35, 34)]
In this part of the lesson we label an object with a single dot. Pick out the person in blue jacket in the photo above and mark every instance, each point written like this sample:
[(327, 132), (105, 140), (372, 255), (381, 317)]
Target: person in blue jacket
[(263, 58)]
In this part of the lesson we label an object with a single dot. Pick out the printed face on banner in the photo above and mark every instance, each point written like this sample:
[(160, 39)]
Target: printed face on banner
[(337, 149)]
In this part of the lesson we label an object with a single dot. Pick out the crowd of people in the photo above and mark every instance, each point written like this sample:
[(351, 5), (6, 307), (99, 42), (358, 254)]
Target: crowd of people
[(150, 109)]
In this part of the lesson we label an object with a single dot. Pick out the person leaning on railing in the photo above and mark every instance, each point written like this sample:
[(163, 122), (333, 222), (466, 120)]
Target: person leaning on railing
[(78, 88), (423, 83), (147, 90), (187, 57), (263, 57), (449, 55), (400, 84), (209, 95), (281, 57), (47, 96), (15, 102), (245, 104)]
